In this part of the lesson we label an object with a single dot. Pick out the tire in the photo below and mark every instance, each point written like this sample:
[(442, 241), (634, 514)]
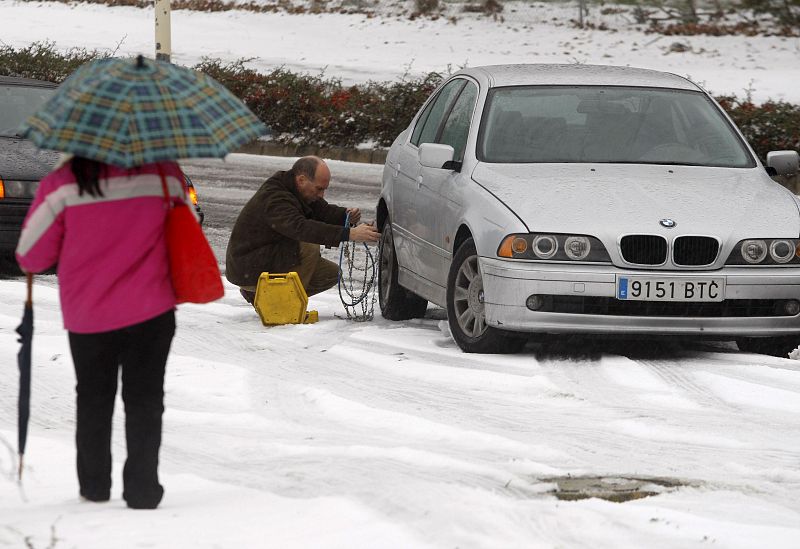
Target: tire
[(396, 302), (465, 308), (772, 346)]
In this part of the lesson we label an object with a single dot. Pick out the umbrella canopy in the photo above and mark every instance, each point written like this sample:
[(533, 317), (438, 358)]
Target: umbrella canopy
[(129, 112), (25, 331)]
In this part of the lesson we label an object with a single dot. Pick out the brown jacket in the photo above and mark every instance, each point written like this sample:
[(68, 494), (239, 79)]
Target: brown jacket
[(270, 227)]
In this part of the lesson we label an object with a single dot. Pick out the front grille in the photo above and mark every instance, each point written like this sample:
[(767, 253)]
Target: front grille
[(644, 249), (694, 250), (614, 307)]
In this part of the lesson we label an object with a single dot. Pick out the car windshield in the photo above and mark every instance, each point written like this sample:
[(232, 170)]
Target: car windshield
[(607, 124), (17, 103)]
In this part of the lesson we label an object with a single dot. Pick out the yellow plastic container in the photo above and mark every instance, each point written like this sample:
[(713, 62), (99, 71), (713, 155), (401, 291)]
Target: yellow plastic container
[(281, 299)]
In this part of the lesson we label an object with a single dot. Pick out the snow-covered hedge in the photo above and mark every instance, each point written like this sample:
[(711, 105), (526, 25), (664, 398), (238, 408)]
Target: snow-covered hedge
[(770, 126), (314, 110)]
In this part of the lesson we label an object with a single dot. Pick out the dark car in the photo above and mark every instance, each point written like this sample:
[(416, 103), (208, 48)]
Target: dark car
[(22, 165)]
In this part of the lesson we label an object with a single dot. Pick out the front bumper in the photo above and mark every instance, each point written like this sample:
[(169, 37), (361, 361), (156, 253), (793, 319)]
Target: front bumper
[(507, 285)]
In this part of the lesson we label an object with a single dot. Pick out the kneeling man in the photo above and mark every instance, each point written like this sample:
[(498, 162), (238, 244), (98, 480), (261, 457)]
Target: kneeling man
[(282, 226)]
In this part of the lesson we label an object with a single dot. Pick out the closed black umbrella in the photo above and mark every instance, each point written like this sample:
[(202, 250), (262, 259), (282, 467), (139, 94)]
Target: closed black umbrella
[(25, 331)]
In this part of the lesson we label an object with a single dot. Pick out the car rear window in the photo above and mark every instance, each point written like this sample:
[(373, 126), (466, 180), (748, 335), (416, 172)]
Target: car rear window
[(529, 124)]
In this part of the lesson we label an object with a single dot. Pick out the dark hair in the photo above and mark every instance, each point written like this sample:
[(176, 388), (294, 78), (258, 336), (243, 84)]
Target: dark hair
[(306, 166), (87, 174)]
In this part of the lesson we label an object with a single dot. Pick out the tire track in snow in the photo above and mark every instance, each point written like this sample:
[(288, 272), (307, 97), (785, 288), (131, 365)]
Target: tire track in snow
[(756, 434), (561, 422), (345, 382), (633, 433), (773, 372), (698, 374), (326, 428), (680, 375)]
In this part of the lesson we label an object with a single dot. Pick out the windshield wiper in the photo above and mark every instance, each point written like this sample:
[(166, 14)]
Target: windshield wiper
[(677, 164), (651, 163)]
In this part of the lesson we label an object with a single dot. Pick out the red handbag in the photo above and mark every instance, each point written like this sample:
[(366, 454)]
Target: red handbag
[(192, 265)]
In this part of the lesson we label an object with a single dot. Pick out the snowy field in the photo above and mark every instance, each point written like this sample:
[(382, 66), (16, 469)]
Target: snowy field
[(384, 435), (357, 48)]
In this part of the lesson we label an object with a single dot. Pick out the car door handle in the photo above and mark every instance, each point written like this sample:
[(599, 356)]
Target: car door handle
[(419, 182), (397, 169)]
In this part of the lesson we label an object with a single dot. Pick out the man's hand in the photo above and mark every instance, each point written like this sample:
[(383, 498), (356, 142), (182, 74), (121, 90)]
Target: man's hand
[(355, 216), (366, 232)]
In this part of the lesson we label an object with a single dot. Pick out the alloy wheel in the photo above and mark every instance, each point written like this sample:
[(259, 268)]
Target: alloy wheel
[(468, 298)]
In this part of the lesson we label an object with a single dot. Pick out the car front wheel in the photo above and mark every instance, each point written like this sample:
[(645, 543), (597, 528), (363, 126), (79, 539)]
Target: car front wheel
[(396, 302), (466, 311)]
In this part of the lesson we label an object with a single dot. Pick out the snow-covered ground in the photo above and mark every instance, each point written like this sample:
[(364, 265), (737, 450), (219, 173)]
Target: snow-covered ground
[(357, 48), (382, 434)]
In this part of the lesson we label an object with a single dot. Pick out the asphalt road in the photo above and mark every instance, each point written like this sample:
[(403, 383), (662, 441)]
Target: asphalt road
[(224, 187)]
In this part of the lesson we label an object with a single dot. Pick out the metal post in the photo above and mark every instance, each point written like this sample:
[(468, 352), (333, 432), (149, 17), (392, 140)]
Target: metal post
[(163, 32)]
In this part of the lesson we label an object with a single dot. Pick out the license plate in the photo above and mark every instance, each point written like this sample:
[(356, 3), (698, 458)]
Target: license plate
[(657, 288)]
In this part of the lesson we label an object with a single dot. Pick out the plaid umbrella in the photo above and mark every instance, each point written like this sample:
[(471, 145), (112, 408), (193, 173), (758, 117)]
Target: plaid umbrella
[(25, 331), (128, 112)]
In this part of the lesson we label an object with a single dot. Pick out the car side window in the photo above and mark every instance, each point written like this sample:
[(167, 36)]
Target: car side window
[(456, 129), (428, 123), (421, 123)]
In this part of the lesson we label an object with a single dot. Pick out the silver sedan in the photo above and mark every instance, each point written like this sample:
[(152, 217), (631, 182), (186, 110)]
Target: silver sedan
[(565, 199)]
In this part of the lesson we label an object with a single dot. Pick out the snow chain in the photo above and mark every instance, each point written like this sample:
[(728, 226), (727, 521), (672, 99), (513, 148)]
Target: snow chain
[(358, 279)]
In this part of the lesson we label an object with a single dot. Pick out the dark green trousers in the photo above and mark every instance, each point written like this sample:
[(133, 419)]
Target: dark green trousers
[(316, 273)]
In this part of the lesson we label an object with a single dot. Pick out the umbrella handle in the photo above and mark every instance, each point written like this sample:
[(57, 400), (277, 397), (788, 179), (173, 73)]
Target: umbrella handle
[(29, 301)]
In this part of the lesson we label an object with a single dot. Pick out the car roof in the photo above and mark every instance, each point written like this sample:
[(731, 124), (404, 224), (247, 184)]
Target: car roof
[(575, 74), (16, 81)]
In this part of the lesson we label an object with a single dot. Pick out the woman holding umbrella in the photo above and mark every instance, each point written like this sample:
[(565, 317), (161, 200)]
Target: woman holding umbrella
[(100, 217)]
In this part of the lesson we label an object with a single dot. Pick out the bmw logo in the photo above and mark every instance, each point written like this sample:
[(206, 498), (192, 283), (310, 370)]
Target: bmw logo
[(668, 223)]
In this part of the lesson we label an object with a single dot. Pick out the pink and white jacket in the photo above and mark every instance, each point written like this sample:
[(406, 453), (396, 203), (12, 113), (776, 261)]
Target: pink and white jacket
[(111, 251)]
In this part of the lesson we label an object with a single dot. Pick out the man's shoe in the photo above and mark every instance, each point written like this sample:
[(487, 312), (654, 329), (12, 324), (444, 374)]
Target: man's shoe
[(248, 295)]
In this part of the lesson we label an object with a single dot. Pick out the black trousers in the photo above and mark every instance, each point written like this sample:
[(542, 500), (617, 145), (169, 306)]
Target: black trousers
[(141, 351)]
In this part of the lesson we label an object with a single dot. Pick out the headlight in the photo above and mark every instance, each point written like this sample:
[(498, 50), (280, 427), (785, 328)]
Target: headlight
[(577, 248), (18, 189), (553, 247), (545, 246), (766, 252), (782, 251), (754, 251)]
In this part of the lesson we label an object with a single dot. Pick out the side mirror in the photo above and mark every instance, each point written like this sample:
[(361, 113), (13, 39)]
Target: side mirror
[(783, 162), (435, 155)]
